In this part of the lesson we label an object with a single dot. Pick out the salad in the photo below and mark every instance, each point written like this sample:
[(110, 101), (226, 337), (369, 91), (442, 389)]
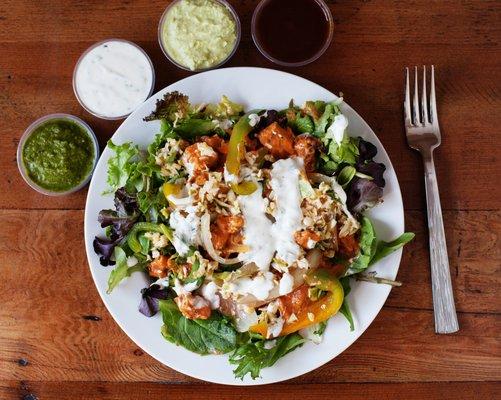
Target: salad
[(248, 225)]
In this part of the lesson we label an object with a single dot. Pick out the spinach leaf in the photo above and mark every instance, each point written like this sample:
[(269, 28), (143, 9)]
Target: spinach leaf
[(120, 166), (385, 248), (345, 307), (121, 270), (253, 356), (214, 335), (367, 247)]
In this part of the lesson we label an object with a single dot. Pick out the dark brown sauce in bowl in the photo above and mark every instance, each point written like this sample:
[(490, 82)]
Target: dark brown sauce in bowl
[(292, 32)]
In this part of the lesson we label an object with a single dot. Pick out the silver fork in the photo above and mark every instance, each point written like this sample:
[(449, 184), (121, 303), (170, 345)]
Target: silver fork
[(423, 135)]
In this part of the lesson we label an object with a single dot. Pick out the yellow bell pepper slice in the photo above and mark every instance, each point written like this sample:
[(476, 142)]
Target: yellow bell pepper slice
[(170, 188), (244, 188), (318, 311), (236, 151), (236, 146)]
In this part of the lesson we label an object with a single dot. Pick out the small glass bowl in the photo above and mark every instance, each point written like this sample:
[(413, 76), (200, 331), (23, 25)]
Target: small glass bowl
[(237, 40), (82, 57), (326, 45), (27, 133)]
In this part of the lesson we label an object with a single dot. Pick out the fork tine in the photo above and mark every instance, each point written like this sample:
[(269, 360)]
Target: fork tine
[(416, 113), (433, 100), (407, 101), (424, 100)]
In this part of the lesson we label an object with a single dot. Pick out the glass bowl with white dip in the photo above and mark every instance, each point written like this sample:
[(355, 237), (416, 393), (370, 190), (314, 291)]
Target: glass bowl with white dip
[(198, 35), (112, 78)]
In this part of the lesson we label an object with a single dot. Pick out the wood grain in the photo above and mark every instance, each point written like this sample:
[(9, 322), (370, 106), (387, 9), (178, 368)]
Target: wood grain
[(55, 302), (57, 340), (370, 391)]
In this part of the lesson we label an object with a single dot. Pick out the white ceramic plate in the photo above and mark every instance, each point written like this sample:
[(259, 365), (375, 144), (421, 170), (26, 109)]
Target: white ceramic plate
[(255, 88)]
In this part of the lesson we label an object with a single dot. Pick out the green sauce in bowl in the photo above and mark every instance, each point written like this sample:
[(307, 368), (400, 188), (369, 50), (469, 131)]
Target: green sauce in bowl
[(58, 155)]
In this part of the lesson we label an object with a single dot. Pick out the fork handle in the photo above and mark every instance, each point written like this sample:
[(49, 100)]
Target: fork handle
[(443, 298)]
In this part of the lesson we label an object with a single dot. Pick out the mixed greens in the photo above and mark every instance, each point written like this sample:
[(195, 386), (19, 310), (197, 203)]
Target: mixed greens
[(248, 225)]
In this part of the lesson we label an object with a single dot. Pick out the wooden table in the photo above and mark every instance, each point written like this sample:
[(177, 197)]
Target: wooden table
[(57, 340)]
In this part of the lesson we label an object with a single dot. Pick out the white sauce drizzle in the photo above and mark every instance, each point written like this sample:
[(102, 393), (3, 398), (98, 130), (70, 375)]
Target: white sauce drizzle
[(259, 286), (286, 284), (186, 229), (288, 216), (257, 230), (180, 289), (209, 293)]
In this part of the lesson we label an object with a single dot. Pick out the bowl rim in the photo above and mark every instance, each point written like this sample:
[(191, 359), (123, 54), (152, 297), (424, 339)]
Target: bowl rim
[(238, 28), (92, 47), (28, 132), (327, 12)]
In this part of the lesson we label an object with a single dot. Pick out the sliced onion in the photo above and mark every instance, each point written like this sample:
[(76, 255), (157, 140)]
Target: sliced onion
[(180, 201), (207, 242)]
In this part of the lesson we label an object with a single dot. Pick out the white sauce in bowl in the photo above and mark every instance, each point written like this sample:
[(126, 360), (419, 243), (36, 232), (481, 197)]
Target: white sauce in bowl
[(113, 78)]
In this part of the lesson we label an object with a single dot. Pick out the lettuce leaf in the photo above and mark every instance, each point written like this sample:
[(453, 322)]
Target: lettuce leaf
[(254, 355), (214, 335), (120, 166), (121, 270), (224, 109)]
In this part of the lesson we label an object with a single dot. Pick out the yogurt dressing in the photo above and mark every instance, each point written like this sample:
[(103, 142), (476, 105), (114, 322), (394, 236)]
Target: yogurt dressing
[(186, 229), (256, 230), (265, 238), (285, 184), (113, 78)]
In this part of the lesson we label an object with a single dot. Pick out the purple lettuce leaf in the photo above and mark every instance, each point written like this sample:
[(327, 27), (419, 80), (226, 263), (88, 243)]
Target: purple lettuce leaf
[(150, 298), (366, 150), (366, 165), (104, 248), (125, 203), (374, 170), (120, 226), (268, 118), (363, 194)]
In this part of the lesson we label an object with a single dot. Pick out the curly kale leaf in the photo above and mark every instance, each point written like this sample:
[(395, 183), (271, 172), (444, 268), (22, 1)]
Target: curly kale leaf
[(172, 107)]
